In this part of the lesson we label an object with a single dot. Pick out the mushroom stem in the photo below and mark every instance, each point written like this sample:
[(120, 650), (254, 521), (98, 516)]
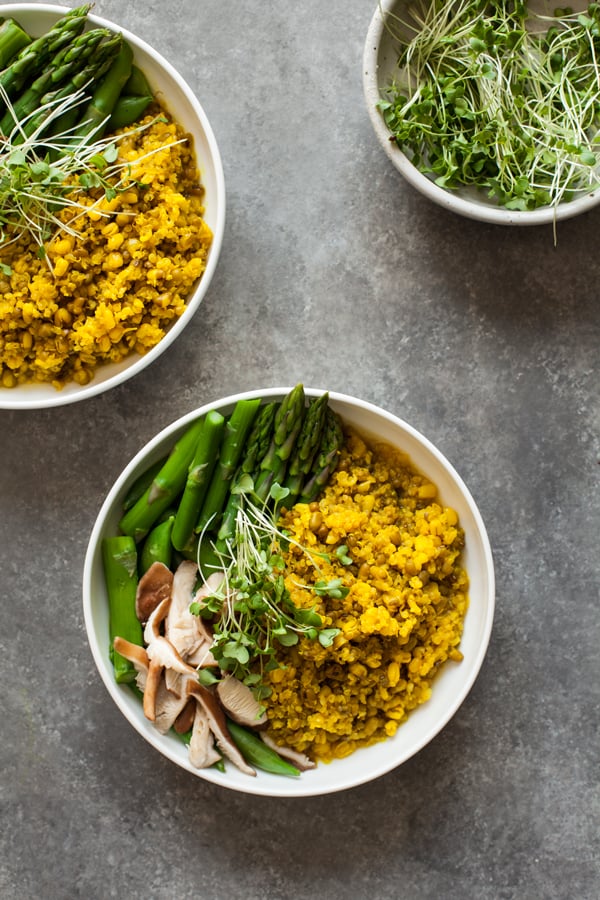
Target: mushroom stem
[(218, 725), (152, 682)]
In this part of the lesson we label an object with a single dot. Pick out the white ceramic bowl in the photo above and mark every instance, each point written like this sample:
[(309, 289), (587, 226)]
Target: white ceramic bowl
[(167, 83), (380, 58), (453, 682)]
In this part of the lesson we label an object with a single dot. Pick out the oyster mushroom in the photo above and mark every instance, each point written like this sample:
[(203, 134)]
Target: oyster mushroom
[(300, 760), (153, 587), (202, 656), (169, 704), (202, 750), (137, 656), (240, 703), (185, 631), (218, 725), (184, 721), (181, 626), (161, 655)]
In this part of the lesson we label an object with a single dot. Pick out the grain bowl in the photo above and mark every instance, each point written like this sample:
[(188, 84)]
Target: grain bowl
[(380, 70), (188, 278), (451, 682)]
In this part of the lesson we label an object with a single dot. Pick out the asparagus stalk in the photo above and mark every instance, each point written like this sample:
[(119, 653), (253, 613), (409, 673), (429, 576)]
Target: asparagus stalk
[(157, 545), (94, 70), (142, 483), (137, 84), (133, 102), (63, 66), (306, 447), (12, 39), (119, 558), (165, 487), (97, 112), (256, 446), (34, 57), (128, 110), (236, 431), (198, 479), (288, 422), (326, 459), (258, 440)]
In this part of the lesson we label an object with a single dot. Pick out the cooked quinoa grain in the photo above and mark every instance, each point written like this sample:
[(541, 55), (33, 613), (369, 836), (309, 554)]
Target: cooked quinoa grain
[(117, 287), (401, 619)]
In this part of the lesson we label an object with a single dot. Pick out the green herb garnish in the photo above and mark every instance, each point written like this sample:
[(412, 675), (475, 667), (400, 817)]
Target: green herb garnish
[(252, 611), (43, 174)]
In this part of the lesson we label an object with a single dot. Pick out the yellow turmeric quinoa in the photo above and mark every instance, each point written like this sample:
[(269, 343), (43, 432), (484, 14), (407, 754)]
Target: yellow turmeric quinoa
[(401, 619), (121, 283)]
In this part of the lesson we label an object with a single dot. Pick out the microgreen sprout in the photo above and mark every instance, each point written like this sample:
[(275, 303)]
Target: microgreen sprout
[(341, 554), (495, 96), (252, 611)]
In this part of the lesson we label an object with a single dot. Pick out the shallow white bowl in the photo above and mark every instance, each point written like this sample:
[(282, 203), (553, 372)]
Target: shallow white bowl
[(453, 682), (182, 103), (380, 57)]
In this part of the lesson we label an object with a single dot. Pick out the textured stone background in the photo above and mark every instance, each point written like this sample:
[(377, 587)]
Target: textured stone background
[(336, 273)]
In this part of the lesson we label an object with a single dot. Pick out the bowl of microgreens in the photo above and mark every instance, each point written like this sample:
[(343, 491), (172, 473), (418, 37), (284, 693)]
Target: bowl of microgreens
[(194, 597), (112, 205), (491, 110)]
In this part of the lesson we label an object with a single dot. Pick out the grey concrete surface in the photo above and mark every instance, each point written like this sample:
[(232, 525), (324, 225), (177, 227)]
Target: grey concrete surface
[(336, 273)]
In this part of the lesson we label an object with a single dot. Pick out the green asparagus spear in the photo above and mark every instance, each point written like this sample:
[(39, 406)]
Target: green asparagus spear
[(119, 557), (133, 102), (256, 446), (33, 58), (165, 487), (288, 422), (259, 440), (142, 483), (306, 447), (97, 112), (236, 431), (128, 110), (326, 460), (94, 70), (63, 66), (137, 84), (12, 39), (157, 546), (198, 479), (256, 752)]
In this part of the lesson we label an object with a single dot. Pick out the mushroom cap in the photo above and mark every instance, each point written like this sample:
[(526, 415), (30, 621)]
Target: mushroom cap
[(163, 653), (183, 629), (218, 725), (152, 626), (202, 750), (298, 759), (168, 706), (154, 585), (240, 703)]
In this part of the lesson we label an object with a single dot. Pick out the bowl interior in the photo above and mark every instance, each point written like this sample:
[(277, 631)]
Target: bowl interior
[(183, 104), (454, 680), (380, 56)]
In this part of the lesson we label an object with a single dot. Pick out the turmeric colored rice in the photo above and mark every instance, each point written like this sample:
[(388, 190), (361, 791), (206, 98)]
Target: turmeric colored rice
[(116, 288), (401, 619)]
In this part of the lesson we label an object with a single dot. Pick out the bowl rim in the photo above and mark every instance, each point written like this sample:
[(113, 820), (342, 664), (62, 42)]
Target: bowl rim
[(17, 398), (280, 787), (470, 209)]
